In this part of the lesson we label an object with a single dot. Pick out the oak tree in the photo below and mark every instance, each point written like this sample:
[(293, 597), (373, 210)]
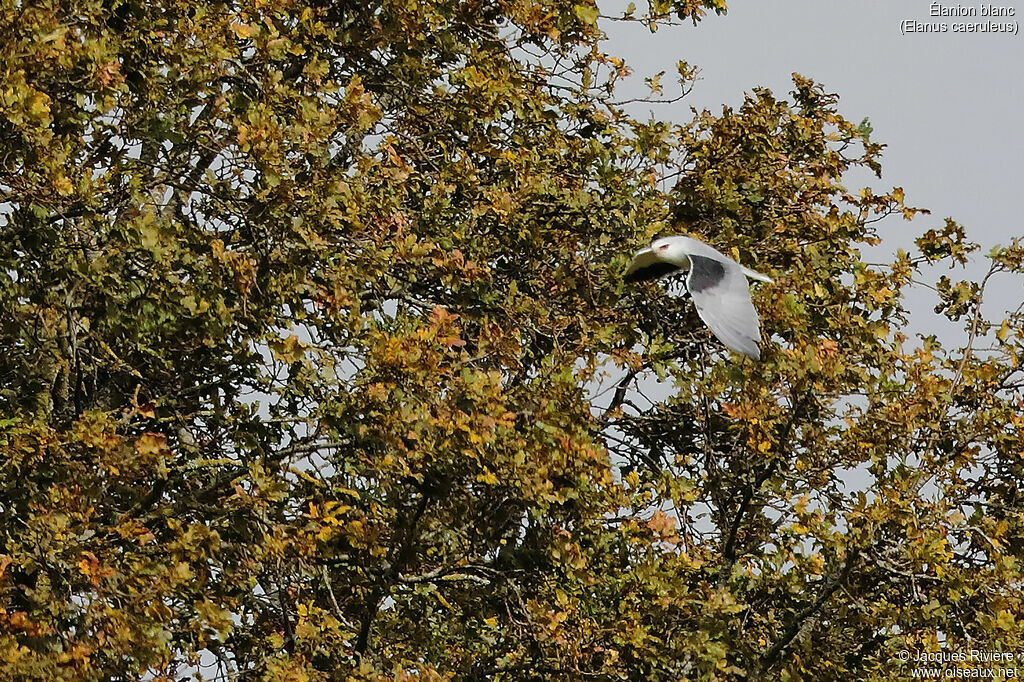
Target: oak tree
[(317, 363)]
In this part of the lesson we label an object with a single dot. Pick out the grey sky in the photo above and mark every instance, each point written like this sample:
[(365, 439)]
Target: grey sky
[(948, 105)]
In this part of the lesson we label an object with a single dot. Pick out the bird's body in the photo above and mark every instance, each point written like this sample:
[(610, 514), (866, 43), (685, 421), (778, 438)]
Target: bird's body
[(717, 284)]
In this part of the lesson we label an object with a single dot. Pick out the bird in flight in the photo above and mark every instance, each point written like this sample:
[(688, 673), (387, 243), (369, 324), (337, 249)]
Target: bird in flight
[(717, 284)]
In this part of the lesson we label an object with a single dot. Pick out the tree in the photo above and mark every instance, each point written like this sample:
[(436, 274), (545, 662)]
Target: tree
[(303, 305)]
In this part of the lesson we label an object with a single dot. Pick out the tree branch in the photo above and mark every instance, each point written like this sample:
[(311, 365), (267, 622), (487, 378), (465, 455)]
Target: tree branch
[(729, 549), (619, 396), (832, 583), (399, 556)]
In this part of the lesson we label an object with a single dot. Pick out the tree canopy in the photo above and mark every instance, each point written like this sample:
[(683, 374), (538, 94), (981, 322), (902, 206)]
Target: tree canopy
[(317, 363)]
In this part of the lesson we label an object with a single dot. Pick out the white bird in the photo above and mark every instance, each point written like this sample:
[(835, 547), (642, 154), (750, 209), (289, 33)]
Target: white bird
[(717, 284)]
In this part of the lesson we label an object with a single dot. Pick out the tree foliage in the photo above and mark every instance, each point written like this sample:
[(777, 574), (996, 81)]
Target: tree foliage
[(303, 307)]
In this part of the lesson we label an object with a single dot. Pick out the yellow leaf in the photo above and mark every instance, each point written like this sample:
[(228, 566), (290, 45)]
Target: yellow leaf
[(587, 14), (288, 350), (63, 186), (243, 31), (39, 107), (151, 444), (443, 601)]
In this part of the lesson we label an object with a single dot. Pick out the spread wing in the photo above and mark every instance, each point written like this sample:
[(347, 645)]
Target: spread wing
[(646, 266), (722, 296)]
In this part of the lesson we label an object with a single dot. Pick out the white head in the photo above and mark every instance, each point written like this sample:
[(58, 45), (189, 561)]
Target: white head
[(672, 250)]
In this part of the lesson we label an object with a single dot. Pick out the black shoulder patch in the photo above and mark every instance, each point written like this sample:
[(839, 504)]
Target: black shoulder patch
[(652, 271), (704, 274)]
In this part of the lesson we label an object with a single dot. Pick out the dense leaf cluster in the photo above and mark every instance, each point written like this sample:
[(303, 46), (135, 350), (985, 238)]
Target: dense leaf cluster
[(317, 364)]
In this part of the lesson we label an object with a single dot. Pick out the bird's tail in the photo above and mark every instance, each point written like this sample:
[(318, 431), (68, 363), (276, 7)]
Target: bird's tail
[(756, 275)]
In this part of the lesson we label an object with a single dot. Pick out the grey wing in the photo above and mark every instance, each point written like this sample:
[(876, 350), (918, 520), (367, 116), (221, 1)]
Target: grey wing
[(696, 247), (722, 296), (646, 265)]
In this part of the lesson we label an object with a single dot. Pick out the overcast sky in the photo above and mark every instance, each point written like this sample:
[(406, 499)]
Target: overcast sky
[(948, 105)]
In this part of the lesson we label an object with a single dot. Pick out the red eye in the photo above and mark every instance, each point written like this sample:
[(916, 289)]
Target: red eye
[(663, 247)]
